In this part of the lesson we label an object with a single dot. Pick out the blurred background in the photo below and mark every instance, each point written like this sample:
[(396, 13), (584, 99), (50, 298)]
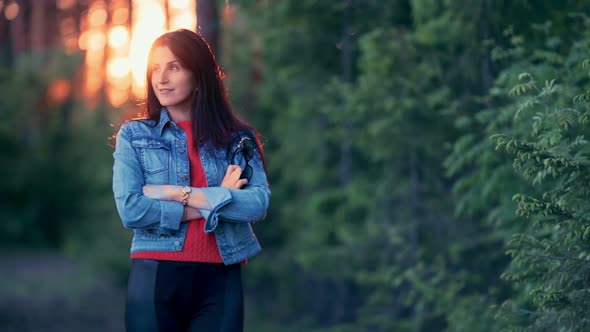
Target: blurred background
[(428, 159)]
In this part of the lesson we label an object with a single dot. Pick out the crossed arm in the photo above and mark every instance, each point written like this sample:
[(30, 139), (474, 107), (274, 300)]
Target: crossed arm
[(159, 207), (196, 199)]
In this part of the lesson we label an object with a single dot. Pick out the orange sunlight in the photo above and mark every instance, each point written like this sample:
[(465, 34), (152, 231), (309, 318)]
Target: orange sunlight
[(149, 21), (123, 42)]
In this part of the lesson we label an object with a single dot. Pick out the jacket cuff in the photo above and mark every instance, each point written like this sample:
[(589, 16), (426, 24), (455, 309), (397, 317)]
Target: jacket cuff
[(171, 216), (217, 197)]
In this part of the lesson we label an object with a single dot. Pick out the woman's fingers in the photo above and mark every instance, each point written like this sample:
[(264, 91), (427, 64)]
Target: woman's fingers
[(231, 169), (233, 172), (241, 183), (232, 177)]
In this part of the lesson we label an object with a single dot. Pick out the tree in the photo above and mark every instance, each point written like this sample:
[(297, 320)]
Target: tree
[(208, 23)]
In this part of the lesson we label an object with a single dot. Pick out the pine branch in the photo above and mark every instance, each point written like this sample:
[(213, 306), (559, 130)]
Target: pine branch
[(557, 257)]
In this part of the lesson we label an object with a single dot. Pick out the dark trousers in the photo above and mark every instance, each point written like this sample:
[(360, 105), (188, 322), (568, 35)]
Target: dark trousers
[(170, 296)]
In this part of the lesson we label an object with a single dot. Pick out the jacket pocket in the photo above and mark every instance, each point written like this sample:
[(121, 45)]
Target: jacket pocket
[(154, 155), (155, 234), (235, 237)]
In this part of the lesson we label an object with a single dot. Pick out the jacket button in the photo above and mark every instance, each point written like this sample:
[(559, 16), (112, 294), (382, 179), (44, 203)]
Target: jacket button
[(181, 151), (183, 178), (177, 243)]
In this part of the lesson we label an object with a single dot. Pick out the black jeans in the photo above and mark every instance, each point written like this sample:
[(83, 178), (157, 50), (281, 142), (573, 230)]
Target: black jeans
[(170, 296)]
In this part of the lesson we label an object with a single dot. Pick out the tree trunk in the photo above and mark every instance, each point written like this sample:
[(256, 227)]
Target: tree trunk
[(18, 31), (415, 228), (4, 40), (38, 24), (167, 14), (346, 63), (486, 71), (208, 23)]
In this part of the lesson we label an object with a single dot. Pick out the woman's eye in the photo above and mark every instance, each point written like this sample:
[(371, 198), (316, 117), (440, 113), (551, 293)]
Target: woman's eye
[(175, 67)]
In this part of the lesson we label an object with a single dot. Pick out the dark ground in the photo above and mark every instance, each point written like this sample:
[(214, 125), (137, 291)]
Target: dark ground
[(47, 292)]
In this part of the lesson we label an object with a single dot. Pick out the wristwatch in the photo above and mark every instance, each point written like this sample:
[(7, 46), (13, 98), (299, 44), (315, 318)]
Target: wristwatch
[(186, 190)]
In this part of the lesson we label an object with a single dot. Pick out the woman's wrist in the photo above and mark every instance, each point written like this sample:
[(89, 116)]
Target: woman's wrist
[(190, 213), (171, 192), (186, 190), (197, 199), (174, 193)]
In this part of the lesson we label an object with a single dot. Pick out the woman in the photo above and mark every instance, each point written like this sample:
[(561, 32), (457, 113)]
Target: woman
[(189, 179)]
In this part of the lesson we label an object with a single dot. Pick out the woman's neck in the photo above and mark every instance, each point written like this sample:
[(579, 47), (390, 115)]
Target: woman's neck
[(178, 115)]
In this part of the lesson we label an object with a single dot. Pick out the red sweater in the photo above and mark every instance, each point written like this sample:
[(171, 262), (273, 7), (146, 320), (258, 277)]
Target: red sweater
[(198, 245)]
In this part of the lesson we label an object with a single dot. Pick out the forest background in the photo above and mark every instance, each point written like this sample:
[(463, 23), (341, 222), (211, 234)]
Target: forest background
[(428, 160)]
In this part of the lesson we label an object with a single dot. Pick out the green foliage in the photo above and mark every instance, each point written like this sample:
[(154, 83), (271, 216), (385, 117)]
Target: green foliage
[(540, 126), (56, 167), (35, 205), (551, 258), (392, 207)]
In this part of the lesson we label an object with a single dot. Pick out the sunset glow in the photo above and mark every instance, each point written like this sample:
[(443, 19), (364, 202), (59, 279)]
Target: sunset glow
[(120, 15), (118, 36), (98, 16), (149, 22), (180, 4), (58, 91), (11, 11), (118, 69), (69, 34), (65, 4), (108, 31), (95, 41)]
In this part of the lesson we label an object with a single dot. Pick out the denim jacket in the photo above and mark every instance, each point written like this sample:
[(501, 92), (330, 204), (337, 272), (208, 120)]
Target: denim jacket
[(156, 153)]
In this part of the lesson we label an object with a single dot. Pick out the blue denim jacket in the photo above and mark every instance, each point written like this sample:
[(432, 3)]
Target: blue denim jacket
[(156, 153)]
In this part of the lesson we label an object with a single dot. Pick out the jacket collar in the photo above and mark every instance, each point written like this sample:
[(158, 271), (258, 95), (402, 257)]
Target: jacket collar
[(164, 119)]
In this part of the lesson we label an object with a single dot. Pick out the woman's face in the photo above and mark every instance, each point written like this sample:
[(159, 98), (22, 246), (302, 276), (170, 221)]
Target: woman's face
[(173, 84)]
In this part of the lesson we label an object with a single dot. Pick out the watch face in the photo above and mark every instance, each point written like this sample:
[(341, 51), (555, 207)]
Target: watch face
[(186, 189)]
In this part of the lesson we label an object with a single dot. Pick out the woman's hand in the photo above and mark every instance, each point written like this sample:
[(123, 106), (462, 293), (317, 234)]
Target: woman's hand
[(232, 180), (162, 192)]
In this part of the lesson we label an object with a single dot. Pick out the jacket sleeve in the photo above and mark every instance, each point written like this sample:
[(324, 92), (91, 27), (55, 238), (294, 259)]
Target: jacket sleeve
[(245, 205), (136, 210)]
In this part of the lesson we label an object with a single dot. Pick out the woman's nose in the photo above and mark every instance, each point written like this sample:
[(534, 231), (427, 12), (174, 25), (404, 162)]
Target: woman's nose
[(162, 78)]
